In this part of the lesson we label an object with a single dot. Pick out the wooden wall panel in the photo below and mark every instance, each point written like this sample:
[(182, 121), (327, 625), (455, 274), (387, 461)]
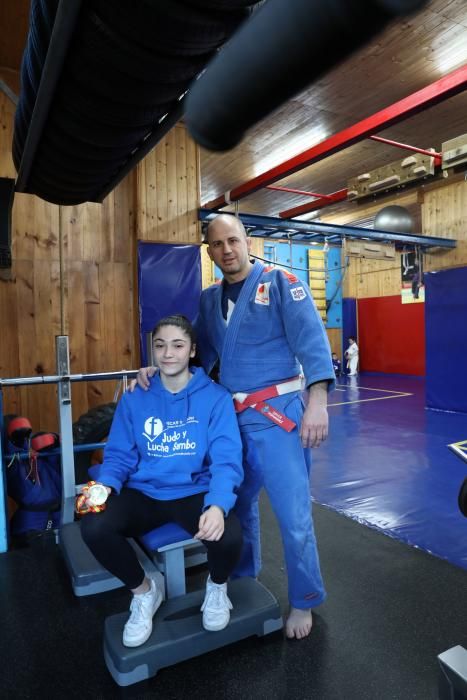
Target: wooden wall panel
[(335, 341), (181, 196), (364, 277), (172, 186), (76, 281), (443, 208), (372, 278), (35, 229), (91, 294), (167, 188), (193, 187), (444, 214), (122, 232), (7, 110), (257, 247), (156, 194)]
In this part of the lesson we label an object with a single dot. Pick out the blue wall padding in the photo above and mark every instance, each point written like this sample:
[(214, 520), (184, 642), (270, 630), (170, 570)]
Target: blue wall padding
[(446, 339), (169, 282), (279, 254), (299, 259), (349, 321)]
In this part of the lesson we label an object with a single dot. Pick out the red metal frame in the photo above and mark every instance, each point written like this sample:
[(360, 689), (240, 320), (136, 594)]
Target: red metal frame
[(434, 154), (442, 89), (338, 196)]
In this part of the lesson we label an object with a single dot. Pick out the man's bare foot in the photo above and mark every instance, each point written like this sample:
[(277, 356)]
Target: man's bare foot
[(298, 624)]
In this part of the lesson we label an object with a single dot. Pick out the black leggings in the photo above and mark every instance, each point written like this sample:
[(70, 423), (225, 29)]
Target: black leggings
[(132, 513)]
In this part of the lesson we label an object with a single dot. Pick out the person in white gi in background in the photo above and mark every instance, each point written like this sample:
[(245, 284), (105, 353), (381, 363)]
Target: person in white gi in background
[(352, 357), (261, 324)]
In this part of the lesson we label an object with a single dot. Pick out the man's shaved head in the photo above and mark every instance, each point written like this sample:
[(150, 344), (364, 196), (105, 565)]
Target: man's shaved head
[(225, 221), (229, 246)]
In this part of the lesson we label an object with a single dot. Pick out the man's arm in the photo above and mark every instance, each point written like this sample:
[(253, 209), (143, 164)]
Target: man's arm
[(315, 422)]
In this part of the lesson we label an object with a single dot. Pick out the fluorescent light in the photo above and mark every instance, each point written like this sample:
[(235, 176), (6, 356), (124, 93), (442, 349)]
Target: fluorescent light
[(453, 55), (308, 217), (294, 145)]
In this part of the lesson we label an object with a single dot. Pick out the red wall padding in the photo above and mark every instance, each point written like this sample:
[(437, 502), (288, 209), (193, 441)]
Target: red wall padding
[(391, 336)]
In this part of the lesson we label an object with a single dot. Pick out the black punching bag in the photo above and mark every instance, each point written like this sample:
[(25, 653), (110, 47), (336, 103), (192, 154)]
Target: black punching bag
[(279, 51)]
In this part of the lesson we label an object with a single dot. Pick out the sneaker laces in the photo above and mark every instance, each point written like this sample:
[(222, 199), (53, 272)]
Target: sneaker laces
[(216, 598), (137, 607)]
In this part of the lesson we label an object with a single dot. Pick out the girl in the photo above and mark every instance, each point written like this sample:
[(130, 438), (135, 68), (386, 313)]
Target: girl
[(174, 454)]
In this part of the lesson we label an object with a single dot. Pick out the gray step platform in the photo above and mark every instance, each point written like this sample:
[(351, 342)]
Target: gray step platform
[(178, 633), (453, 674), (88, 577)]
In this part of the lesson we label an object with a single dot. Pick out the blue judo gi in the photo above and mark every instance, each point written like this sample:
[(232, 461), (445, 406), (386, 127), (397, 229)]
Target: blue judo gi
[(274, 326)]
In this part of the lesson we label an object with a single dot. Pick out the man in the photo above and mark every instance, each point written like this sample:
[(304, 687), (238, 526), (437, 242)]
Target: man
[(259, 324)]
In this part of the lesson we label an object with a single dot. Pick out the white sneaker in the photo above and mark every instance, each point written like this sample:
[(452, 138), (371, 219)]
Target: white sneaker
[(216, 606), (143, 607)]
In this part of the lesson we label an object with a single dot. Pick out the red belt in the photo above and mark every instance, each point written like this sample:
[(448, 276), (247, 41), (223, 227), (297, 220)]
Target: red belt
[(257, 400)]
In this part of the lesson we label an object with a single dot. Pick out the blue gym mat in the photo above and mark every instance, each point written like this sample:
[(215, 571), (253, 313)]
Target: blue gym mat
[(386, 463)]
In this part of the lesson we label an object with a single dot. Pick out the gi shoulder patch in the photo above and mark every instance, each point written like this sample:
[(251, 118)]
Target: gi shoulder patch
[(291, 278), (262, 293), (298, 293)]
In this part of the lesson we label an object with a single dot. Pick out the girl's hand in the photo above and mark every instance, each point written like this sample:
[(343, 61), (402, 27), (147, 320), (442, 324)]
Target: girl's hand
[(211, 524)]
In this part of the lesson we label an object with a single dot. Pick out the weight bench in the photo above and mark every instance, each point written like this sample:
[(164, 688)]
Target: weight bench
[(88, 576), (164, 553)]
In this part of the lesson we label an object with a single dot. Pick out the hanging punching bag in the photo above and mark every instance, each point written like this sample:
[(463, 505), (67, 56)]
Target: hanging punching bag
[(285, 46)]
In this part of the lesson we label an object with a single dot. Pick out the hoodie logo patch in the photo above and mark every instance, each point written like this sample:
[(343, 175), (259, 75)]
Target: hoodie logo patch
[(153, 427), (176, 438), (262, 294)]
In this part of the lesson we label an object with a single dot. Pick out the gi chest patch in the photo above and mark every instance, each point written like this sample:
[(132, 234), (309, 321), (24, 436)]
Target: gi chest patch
[(262, 294), (298, 293)]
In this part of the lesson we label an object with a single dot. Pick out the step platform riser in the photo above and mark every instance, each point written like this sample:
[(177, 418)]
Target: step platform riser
[(178, 633)]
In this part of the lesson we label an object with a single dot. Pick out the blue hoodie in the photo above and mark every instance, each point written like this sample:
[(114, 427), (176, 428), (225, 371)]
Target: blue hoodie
[(171, 446)]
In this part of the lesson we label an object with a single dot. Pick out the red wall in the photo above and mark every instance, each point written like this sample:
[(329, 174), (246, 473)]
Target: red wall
[(391, 336)]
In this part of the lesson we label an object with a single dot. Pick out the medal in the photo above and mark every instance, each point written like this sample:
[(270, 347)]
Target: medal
[(95, 495)]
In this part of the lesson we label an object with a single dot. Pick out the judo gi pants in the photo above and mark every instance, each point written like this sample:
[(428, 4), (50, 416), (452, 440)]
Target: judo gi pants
[(132, 513), (276, 460)]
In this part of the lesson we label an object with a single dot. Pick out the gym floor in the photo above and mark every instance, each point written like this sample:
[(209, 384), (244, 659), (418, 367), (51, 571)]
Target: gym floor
[(391, 608)]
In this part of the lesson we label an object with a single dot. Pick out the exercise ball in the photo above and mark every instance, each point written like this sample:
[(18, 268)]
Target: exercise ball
[(394, 218)]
